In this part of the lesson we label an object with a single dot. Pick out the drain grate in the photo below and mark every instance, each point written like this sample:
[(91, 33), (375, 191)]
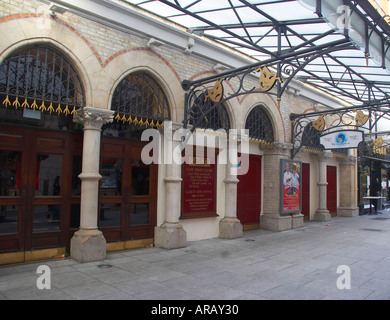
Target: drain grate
[(104, 266), (370, 229)]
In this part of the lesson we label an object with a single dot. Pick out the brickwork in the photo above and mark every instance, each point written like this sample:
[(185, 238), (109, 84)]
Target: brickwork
[(111, 52)]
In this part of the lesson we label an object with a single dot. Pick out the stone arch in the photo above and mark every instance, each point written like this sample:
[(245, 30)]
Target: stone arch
[(270, 107), (24, 33), (259, 124), (144, 61)]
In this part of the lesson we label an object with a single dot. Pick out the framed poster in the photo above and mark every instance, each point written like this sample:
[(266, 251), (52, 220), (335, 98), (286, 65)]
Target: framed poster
[(291, 181)]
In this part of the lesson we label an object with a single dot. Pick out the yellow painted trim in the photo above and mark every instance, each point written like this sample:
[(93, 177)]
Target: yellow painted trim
[(59, 253), (33, 255), (131, 244), (248, 227)]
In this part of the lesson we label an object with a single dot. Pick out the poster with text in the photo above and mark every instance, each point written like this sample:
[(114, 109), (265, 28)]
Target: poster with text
[(291, 180)]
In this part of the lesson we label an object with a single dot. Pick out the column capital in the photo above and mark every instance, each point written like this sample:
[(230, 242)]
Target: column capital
[(324, 156), (94, 118), (348, 160)]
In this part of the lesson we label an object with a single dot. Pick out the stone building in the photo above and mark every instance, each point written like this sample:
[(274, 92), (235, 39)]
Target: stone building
[(77, 92)]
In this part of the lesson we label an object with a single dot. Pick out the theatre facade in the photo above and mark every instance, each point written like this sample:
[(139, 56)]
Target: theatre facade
[(91, 124)]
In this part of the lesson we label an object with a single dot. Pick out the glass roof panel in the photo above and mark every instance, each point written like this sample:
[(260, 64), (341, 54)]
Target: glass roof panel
[(253, 28)]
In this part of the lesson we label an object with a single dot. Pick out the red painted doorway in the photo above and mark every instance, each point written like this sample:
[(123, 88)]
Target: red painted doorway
[(306, 191), (331, 189), (249, 194)]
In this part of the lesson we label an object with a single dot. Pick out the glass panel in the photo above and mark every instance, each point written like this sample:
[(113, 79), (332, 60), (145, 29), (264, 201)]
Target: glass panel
[(49, 167), (76, 182), (9, 173), (111, 177), (46, 218), (9, 219), (140, 178), (139, 213), (75, 216), (110, 215)]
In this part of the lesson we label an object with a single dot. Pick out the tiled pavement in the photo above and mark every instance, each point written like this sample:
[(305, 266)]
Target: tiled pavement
[(295, 264)]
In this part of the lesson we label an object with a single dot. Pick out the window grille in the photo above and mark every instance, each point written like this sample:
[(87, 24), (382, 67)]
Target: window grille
[(139, 100), (40, 78), (206, 115), (311, 137), (259, 125)]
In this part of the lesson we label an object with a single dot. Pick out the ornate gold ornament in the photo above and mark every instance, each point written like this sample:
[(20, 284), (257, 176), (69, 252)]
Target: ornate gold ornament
[(319, 124), (361, 118), (267, 79), (378, 142), (216, 93)]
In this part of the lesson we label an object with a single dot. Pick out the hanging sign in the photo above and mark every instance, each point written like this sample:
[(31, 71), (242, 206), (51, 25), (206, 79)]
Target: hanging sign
[(345, 139)]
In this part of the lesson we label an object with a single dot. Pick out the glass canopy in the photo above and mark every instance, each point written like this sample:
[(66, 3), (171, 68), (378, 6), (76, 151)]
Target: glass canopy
[(338, 46)]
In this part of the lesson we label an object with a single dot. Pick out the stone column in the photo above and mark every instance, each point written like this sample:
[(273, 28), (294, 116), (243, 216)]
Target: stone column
[(88, 243), (230, 227), (322, 214), (348, 201), (171, 234)]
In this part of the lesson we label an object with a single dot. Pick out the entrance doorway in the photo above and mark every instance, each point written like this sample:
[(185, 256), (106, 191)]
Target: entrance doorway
[(249, 194), (128, 191), (306, 191), (331, 190), (38, 191)]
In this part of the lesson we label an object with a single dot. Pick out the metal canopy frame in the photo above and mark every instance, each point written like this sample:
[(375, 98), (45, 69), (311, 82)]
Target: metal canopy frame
[(298, 39)]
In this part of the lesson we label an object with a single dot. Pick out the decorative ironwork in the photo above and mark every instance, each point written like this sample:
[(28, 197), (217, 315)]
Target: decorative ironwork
[(308, 128), (207, 114), (40, 78), (139, 100), (259, 126)]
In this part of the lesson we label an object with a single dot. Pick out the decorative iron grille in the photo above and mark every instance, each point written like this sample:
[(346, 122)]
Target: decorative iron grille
[(206, 114), (40, 78), (139, 100), (259, 125)]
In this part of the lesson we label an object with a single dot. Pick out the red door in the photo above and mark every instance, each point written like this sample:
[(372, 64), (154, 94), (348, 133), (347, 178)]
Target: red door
[(331, 189), (249, 193), (306, 190)]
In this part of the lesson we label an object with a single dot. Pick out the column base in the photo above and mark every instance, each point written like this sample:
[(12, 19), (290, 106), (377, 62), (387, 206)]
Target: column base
[(297, 220), (322, 215), (230, 228), (275, 222), (88, 245), (278, 223), (170, 236), (347, 211)]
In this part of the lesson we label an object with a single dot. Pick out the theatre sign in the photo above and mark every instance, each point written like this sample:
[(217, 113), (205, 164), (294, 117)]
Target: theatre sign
[(345, 139)]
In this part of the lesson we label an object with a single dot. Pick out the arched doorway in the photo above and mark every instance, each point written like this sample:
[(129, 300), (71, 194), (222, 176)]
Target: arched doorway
[(40, 151), (128, 189), (259, 128)]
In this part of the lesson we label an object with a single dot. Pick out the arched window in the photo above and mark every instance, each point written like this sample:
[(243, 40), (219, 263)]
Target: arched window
[(139, 100), (41, 79), (259, 125), (311, 137), (205, 115)]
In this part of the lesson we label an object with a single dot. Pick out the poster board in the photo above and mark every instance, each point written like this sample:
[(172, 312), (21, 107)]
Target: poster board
[(291, 186)]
